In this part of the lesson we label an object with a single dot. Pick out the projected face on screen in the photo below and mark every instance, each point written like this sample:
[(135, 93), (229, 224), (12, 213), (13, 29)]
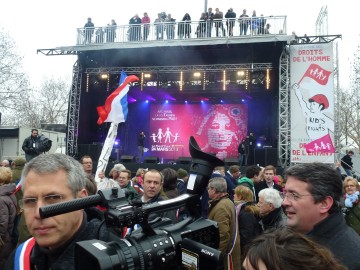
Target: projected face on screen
[(219, 135)]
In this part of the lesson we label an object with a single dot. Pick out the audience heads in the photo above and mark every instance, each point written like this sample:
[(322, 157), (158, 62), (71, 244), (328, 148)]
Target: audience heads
[(182, 173), (270, 196), (52, 163), (351, 185), (5, 175), (140, 172), (170, 178), (284, 249), (5, 163), (321, 180), (218, 184), (252, 171), (90, 185), (124, 178), (153, 182), (242, 193)]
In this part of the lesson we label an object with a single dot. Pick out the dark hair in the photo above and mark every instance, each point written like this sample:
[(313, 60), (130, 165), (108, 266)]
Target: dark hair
[(170, 178), (83, 157), (323, 181), (251, 171), (34, 129), (234, 168), (351, 152), (284, 248)]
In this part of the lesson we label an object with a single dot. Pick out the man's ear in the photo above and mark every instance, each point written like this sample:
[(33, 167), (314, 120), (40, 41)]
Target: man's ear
[(326, 204), (83, 193)]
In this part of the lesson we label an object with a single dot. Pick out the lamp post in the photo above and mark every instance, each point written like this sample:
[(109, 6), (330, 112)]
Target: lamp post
[(205, 5)]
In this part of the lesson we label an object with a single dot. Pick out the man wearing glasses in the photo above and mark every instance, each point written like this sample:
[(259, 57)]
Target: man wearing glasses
[(49, 179), (312, 205)]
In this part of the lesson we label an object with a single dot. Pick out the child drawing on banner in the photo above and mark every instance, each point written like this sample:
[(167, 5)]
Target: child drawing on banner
[(168, 135), (318, 125), (153, 136), (160, 135)]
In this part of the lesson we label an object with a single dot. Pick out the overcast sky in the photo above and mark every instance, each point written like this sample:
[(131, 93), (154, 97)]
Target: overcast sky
[(44, 24)]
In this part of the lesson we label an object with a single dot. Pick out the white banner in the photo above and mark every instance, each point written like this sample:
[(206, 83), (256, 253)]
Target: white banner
[(312, 103)]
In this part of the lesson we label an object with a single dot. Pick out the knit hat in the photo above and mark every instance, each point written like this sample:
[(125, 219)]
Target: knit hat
[(182, 173)]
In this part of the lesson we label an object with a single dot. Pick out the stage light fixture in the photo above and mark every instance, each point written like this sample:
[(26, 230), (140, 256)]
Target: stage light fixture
[(181, 80), (221, 101), (104, 76), (241, 73), (204, 80), (186, 101), (147, 75), (267, 79), (197, 74), (166, 101), (87, 83), (224, 80), (147, 101)]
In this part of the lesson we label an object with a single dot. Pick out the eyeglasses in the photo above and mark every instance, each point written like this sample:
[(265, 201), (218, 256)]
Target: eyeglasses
[(292, 196), (31, 203)]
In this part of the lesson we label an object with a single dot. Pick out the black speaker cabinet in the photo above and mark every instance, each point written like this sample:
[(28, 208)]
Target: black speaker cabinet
[(231, 161), (184, 160), (266, 156), (127, 158), (92, 150), (151, 159)]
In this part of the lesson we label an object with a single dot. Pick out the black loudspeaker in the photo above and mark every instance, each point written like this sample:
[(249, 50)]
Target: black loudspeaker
[(184, 160), (231, 161), (266, 156), (127, 159), (92, 150), (151, 159)]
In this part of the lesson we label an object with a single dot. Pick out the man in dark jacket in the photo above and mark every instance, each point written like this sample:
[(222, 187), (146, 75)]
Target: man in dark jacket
[(346, 163), (30, 144), (46, 180), (269, 173), (312, 204)]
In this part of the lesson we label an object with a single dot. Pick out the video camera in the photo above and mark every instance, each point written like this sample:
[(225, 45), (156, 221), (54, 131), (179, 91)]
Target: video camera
[(189, 244)]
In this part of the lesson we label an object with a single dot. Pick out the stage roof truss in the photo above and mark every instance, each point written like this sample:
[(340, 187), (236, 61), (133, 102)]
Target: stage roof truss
[(176, 69), (50, 52)]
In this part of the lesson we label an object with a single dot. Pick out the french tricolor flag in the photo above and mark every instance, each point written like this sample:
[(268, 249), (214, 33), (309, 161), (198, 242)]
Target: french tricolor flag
[(115, 109)]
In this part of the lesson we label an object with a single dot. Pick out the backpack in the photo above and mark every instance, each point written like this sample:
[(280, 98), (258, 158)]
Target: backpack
[(43, 144), (352, 217)]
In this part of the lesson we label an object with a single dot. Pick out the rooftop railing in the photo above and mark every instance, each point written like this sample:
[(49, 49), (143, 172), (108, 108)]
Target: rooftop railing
[(166, 31)]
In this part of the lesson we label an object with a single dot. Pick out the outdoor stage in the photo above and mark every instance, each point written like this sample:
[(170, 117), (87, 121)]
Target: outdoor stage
[(216, 89)]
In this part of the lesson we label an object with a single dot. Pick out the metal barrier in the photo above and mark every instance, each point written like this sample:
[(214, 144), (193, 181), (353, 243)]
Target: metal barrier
[(160, 31)]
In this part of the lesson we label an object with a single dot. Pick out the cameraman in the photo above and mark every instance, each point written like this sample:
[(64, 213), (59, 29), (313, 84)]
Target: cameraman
[(30, 144), (45, 180)]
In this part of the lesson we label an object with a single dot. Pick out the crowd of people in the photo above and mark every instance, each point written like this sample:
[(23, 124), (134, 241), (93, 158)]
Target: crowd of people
[(222, 24), (264, 219)]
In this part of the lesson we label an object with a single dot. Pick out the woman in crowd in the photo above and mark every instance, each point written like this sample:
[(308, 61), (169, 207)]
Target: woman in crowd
[(248, 215), (170, 183), (8, 212), (284, 249)]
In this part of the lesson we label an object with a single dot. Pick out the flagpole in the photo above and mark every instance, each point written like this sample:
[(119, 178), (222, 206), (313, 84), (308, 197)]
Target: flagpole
[(106, 151)]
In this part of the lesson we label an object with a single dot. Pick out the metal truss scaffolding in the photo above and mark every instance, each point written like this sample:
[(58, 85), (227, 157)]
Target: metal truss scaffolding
[(175, 69), (284, 110), (73, 111)]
